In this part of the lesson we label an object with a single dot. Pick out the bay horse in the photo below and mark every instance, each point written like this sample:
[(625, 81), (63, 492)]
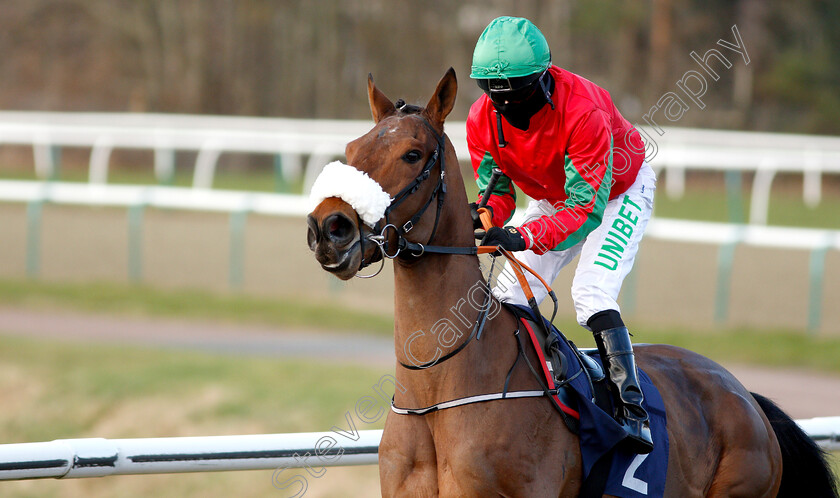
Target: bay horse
[(724, 441)]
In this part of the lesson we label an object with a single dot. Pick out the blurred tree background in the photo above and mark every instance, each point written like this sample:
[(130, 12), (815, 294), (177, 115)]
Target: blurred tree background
[(311, 58)]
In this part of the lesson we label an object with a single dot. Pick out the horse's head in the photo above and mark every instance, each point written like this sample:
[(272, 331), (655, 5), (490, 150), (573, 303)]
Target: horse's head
[(393, 174)]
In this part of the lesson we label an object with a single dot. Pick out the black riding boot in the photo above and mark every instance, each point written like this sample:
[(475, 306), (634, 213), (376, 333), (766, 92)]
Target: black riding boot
[(617, 356)]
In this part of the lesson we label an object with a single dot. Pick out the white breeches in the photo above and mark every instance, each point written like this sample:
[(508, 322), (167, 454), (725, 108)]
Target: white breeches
[(606, 254)]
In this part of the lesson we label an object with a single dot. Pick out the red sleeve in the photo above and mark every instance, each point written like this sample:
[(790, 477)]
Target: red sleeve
[(503, 197), (588, 172)]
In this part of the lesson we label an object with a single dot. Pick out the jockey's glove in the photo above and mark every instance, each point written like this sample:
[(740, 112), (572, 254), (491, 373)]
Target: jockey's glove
[(508, 238), (475, 218)]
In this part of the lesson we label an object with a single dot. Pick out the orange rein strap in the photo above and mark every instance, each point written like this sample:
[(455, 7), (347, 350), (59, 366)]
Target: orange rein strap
[(518, 266), (486, 249)]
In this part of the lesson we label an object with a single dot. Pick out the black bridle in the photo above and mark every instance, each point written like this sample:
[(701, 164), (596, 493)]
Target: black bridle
[(439, 191), (405, 248)]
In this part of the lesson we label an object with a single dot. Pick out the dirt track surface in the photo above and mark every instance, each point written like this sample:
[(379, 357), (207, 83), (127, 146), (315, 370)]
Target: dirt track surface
[(803, 394), (199, 336), (671, 283)]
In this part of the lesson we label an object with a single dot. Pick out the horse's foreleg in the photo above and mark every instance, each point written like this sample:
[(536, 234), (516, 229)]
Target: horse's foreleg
[(407, 462)]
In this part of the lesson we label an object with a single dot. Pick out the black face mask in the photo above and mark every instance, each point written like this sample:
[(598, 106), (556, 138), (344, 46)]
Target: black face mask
[(519, 113)]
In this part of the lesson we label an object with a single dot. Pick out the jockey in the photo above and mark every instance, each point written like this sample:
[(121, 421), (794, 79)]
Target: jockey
[(560, 139)]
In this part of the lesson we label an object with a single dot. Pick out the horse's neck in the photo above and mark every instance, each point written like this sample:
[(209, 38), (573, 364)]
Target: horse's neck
[(437, 303), (427, 290)]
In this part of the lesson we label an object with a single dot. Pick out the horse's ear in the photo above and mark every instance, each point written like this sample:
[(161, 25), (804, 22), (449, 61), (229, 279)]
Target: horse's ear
[(380, 106), (442, 101)]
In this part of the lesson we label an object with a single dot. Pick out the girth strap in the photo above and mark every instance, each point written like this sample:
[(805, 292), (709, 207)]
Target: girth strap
[(465, 401)]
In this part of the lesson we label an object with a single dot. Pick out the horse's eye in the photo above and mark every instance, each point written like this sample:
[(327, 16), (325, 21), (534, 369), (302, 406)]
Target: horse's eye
[(412, 156)]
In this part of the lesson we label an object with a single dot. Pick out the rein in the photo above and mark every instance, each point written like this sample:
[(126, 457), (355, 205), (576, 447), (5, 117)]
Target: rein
[(417, 249)]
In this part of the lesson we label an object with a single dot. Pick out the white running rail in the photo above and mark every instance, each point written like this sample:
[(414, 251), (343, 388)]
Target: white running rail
[(96, 457), (675, 150)]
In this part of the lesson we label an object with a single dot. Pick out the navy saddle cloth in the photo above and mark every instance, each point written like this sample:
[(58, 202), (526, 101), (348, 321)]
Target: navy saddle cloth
[(631, 475)]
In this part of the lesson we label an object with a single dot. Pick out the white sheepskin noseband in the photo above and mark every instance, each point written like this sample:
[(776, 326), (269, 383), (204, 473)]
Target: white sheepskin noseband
[(354, 187)]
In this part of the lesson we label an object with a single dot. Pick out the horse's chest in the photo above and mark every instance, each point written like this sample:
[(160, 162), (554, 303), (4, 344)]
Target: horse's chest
[(450, 467), (484, 464)]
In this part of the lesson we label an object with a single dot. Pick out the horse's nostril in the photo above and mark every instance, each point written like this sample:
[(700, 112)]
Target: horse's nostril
[(311, 238), (339, 228), (313, 235)]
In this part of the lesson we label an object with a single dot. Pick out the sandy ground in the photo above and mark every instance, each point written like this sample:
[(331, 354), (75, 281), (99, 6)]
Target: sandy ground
[(671, 284), (198, 336), (803, 394)]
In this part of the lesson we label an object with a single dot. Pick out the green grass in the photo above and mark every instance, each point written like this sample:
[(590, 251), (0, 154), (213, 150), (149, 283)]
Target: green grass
[(786, 208), (256, 180), (781, 348), (771, 348), (706, 201), (49, 378), (834, 459), (148, 301), (774, 348), (52, 389)]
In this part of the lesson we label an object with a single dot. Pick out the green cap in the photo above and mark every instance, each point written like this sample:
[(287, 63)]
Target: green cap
[(510, 47)]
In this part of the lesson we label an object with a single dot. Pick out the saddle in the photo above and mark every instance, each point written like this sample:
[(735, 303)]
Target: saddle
[(546, 341), (577, 381)]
